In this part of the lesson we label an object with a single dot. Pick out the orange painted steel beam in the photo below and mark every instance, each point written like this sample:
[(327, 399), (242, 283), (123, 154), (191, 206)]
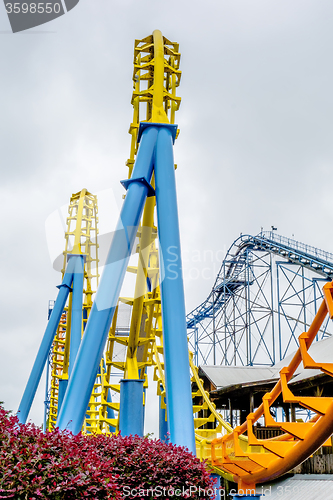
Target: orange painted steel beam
[(273, 457)]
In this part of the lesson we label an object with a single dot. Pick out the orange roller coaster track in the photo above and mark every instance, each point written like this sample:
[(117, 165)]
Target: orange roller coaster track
[(255, 460)]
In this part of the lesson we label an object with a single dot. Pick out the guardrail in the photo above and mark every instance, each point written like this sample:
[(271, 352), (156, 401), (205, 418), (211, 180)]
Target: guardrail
[(297, 245)]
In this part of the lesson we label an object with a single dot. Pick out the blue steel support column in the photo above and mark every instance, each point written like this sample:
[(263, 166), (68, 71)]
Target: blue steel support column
[(63, 383), (216, 486), (131, 407), (46, 400), (77, 300), (93, 342), (46, 344), (176, 360), (163, 424), (110, 411)]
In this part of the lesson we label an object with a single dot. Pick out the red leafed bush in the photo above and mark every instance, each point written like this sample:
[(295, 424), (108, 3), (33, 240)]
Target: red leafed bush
[(153, 469), (60, 466), (55, 465)]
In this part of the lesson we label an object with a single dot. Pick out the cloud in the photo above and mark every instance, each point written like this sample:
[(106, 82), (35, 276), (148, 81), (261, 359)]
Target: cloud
[(255, 146)]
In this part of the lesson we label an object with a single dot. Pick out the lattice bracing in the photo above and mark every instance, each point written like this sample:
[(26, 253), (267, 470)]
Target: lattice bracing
[(266, 293)]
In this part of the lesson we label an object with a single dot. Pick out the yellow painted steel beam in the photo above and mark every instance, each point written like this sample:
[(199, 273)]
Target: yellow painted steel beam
[(158, 115), (81, 238), (78, 228), (140, 289), (156, 66), (67, 338), (246, 459)]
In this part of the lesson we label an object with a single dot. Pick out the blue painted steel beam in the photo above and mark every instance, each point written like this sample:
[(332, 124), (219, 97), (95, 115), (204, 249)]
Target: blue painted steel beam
[(176, 360), (46, 399), (216, 486), (76, 322), (110, 411), (93, 342), (38, 367), (163, 424), (294, 251), (63, 383), (131, 416)]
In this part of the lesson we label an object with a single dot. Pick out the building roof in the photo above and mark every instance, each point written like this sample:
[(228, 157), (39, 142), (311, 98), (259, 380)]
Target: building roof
[(223, 377), (299, 487), (321, 351), (226, 376)]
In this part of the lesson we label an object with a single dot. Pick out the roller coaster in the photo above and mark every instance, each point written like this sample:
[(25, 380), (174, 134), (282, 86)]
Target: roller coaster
[(268, 289), (244, 321)]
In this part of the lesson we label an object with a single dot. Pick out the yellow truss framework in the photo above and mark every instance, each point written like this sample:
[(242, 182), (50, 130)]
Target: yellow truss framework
[(81, 238), (231, 453), (155, 78), (156, 68)]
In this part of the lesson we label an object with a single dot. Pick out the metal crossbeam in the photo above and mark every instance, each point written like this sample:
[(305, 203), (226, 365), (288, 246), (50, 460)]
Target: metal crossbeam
[(265, 294)]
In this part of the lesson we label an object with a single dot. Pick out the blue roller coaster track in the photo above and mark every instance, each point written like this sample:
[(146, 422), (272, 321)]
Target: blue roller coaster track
[(266, 291)]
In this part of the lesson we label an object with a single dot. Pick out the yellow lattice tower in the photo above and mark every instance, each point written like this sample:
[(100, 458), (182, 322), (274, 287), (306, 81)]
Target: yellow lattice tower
[(80, 238), (156, 76)]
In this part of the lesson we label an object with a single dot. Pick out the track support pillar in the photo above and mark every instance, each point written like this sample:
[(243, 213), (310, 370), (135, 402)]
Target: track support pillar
[(176, 358), (76, 323), (163, 424), (45, 346), (131, 419), (216, 486), (90, 353), (62, 391)]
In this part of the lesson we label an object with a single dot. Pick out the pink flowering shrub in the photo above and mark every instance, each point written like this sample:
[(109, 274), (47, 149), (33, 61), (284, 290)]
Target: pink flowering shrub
[(153, 469), (55, 465), (60, 466)]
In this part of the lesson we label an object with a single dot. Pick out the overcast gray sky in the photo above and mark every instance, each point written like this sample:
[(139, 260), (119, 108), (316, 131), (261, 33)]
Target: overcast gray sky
[(255, 147)]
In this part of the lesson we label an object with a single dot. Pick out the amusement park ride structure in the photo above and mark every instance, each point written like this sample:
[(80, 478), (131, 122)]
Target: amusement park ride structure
[(267, 292), (254, 300)]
